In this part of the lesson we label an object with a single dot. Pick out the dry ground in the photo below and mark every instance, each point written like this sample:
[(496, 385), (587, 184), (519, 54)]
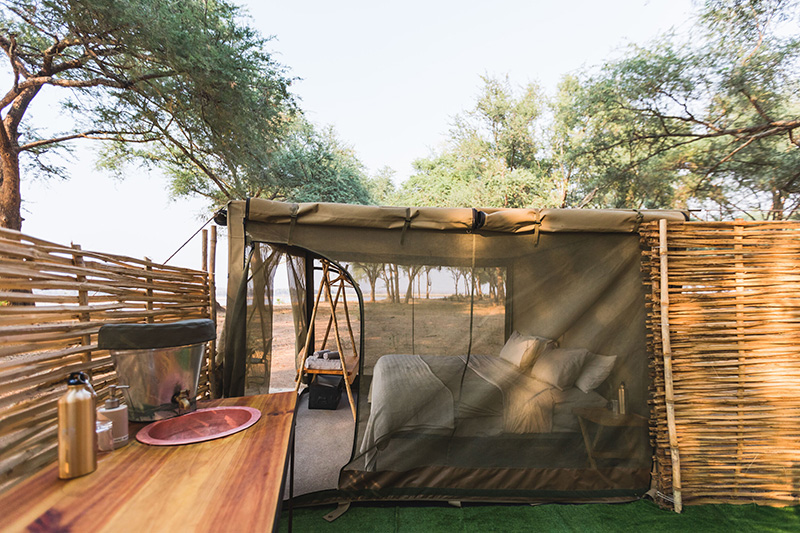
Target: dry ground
[(431, 327)]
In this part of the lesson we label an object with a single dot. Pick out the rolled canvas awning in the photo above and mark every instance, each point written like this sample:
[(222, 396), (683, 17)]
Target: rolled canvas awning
[(452, 219)]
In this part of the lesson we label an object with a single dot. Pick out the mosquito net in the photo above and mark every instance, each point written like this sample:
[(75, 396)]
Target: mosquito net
[(487, 355)]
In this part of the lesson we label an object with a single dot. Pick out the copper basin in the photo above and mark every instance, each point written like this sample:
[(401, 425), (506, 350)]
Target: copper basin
[(199, 426)]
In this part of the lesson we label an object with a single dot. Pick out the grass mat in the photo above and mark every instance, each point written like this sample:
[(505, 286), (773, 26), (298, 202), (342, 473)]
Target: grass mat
[(628, 517)]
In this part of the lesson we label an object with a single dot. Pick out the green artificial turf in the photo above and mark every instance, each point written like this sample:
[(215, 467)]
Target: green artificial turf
[(641, 516)]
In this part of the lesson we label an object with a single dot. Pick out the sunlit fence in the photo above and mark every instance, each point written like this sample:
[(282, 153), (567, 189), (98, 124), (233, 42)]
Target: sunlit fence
[(726, 326), (53, 300)]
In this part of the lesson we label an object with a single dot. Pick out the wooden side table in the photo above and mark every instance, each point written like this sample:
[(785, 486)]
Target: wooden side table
[(604, 418)]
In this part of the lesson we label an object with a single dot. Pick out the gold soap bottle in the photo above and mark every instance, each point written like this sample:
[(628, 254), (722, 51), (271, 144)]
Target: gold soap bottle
[(77, 436)]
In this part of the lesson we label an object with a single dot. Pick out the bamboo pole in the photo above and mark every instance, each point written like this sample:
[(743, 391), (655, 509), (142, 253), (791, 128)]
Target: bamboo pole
[(304, 352), (330, 319), (738, 231), (341, 351), (149, 290), (204, 251), (212, 295), (668, 384), (83, 300), (349, 325)]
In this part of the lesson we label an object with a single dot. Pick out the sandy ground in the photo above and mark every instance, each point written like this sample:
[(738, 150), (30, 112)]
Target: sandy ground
[(431, 327)]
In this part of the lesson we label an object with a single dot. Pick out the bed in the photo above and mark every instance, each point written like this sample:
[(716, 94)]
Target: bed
[(532, 387)]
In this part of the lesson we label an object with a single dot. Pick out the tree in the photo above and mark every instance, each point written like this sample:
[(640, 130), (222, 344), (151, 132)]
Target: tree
[(712, 119), (179, 83), (382, 190), (411, 272), (493, 155), (372, 271)]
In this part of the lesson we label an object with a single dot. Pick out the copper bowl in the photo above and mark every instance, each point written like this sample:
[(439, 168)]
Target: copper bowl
[(198, 426)]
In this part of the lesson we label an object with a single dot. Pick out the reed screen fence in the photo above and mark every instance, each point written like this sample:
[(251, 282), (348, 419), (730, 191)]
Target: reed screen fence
[(731, 313), (53, 300)]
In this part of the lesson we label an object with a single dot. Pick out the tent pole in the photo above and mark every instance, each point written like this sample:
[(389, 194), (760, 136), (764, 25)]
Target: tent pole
[(667, 350)]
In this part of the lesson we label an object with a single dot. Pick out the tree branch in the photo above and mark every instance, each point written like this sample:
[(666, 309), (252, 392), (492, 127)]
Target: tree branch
[(756, 105), (207, 171), (794, 141), (730, 155), (99, 135)]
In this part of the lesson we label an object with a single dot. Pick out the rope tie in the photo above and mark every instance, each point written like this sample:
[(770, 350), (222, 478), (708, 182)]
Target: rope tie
[(639, 219), (293, 214), (406, 225), (537, 224)]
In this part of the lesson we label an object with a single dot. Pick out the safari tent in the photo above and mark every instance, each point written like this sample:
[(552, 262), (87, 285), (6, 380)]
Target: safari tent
[(488, 366)]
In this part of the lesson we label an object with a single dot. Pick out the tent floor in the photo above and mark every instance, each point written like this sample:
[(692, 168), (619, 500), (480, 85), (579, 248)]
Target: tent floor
[(323, 443)]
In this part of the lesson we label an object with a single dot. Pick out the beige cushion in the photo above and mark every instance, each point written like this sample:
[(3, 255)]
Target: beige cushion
[(560, 367), (522, 350), (595, 370)]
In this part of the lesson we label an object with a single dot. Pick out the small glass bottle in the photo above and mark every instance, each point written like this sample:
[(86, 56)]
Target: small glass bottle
[(623, 407), (77, 435), (117, 412)]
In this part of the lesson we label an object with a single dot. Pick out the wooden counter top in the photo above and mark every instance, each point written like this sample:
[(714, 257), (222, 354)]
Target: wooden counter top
[(229, 484)]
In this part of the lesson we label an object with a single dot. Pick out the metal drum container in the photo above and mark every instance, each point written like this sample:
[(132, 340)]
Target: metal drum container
[(160, 364)]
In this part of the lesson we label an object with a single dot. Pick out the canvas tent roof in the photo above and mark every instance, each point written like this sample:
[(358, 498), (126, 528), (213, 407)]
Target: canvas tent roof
[(360, 232)]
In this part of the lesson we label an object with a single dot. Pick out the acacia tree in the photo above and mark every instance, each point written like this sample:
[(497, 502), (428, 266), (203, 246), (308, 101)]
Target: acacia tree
[(182, 79), (712, 119), (306, 165)]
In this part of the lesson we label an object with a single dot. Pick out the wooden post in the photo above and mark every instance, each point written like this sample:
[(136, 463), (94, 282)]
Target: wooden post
[(209, 301), (83, 301), (212, 294), (331, 318), (149, 304), (304, 351), (204, 251), (738, 232), (667, 349), (341, 350)]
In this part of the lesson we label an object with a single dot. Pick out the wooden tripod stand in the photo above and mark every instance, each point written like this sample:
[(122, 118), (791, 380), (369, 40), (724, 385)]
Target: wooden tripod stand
[(331, 275)]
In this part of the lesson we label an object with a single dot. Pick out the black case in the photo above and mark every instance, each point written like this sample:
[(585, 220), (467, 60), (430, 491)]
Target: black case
[(325, 391)]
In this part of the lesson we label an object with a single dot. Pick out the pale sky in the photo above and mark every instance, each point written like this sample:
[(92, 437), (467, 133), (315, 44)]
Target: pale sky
[(389, 77)]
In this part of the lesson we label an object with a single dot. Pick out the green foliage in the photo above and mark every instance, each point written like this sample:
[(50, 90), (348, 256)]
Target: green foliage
[(306, 166), (493, 158), (313, 166), (182, 85), (176, 83), (709, 121), (179, 85), (382, 190)]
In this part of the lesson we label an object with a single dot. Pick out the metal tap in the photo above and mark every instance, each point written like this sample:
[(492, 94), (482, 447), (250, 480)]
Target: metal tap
[(182, 399)]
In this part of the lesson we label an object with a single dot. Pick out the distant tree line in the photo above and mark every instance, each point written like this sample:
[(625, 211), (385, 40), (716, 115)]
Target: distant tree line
[(403, 283)]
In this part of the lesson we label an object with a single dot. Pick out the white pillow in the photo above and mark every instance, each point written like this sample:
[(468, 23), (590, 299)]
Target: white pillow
[(596, 369), (522, 350), (560, 367)]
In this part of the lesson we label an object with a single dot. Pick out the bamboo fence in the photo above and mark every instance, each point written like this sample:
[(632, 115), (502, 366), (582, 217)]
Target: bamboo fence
[(53, 300), (727, 328)]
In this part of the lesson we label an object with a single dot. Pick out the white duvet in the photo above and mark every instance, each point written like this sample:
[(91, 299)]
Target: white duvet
[(407, 396)]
